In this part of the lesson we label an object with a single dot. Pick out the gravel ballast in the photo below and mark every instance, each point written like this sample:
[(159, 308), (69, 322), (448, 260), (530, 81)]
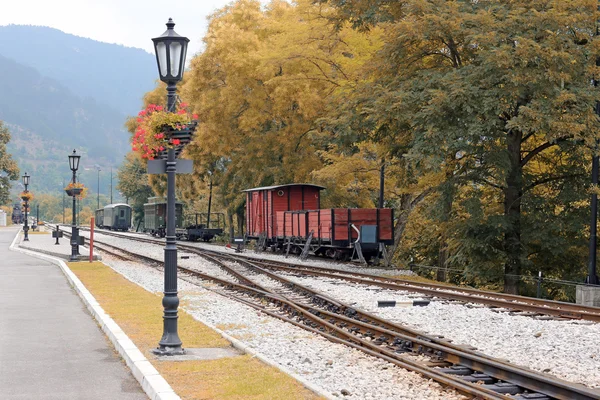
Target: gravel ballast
[(341, 371), (565, 349)]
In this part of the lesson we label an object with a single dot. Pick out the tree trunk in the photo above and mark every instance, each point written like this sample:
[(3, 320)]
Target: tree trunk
[(240, 221), (448, 193), (407, 203), (230, 220), (512, 213)]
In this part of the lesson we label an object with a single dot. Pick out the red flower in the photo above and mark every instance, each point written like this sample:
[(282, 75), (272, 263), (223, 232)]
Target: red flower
[(176, 141), (181, 112), (195, 116)]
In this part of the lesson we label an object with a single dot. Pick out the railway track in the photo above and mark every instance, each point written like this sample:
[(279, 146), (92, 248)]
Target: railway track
[(528, 305), (465, 370)]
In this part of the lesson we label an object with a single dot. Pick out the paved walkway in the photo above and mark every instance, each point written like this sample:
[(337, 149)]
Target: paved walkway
[(50, 347)]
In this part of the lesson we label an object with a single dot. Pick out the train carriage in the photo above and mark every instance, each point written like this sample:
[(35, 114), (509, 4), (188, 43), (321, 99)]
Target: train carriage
[(290, 216), (155, 216), (117, 217), (99, 218)]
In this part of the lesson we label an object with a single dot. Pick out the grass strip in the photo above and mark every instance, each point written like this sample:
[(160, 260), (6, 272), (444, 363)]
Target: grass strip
[(139, 313)]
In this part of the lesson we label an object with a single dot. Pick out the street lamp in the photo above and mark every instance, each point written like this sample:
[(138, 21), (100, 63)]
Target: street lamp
[(74, 165), (26, 199), (170, 51)]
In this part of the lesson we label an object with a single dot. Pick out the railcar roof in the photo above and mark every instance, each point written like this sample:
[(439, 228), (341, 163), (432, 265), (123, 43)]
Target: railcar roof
[(117, 204), (281, 186)]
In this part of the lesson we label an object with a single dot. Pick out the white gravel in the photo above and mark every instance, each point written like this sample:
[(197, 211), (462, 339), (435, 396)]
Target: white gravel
[(566, 349), (332, 367)]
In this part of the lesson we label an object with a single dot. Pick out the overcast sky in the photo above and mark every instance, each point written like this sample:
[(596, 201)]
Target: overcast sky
[(128, 22)]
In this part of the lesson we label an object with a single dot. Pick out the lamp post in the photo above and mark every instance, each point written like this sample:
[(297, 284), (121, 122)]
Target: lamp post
[(74, 165), (170, 51), (26, 199)]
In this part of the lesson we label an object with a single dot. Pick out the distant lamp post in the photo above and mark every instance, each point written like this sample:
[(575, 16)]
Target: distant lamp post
[(170, 50), (74, 165), (25, 198)]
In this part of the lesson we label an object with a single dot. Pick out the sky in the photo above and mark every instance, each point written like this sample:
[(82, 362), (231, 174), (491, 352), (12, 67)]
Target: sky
[(128, 22)]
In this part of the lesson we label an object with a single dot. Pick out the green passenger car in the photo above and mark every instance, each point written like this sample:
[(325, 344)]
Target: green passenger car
[(155, 212)]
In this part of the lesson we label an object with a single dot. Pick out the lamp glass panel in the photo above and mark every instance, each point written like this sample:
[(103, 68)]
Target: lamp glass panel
[(161, 52), (183, 55), (175, 49)]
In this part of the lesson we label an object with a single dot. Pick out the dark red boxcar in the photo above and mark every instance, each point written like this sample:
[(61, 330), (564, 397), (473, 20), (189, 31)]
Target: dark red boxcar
[(264, 203), (334, 225)]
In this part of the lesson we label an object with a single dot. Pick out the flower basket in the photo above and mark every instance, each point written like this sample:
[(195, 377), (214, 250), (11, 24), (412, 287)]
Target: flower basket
[(73, 192), (26, 196), (158, 131)]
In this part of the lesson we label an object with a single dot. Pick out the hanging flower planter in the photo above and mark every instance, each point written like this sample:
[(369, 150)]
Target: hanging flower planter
[(26, 196), (73, 192), (158, 131), (75, 189)]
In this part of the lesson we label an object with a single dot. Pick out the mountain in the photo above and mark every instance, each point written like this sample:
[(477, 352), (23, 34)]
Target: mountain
[(114, 75), (59, 92), (47, 121)]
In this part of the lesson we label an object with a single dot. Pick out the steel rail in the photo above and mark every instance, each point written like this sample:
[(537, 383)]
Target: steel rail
[(571, 391), (514, 302)]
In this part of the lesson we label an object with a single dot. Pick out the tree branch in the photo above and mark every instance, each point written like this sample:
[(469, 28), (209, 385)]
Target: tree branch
[(549, 179), (541, 148)]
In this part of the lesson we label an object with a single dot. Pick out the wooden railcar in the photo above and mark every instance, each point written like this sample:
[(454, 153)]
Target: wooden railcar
[(117, 217), (99, 218), (289, 216), (203, 226), (155, 216)]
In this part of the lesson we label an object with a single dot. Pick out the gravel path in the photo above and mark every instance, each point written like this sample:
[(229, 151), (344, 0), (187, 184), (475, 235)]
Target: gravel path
[(566, 349)]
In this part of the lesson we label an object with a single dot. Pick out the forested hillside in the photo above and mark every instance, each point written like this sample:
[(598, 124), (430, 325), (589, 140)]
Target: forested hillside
[(59, 92)]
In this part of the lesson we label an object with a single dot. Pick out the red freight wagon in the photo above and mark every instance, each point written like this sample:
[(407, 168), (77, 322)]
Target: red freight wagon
[(283, 217), (263, 203)]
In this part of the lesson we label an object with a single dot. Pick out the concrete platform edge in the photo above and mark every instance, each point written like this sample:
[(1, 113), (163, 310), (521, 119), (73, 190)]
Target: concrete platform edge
[(155, 386)]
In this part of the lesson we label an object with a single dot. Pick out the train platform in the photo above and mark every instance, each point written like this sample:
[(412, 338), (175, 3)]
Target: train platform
[(43, 242), (50, 346)]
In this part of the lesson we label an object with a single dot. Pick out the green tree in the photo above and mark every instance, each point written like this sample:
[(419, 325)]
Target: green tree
[(8, 167), (497, 94), (134, 185)]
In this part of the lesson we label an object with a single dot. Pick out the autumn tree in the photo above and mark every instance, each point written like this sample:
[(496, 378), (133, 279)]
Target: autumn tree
[(504, 89), (133, 183), (8, 167), (259, 90)]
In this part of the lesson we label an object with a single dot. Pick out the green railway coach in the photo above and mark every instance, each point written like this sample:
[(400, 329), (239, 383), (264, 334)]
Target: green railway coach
[(155, 213)]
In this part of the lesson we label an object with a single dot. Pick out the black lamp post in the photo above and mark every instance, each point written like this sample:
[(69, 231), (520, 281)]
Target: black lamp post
[(74, 165), (26, 199), (170, 51)]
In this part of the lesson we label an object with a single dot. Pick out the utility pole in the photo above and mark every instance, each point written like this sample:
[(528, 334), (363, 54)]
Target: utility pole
[(111, 201)]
